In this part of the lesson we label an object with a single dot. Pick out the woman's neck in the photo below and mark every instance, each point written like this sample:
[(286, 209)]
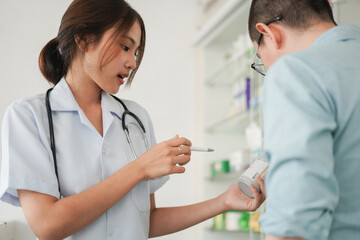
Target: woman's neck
[(86, 92)]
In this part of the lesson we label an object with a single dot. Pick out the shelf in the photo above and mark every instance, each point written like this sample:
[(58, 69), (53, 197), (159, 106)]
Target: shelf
[(233, 124), (228, 231), (226, 177), (225, 57), (237, 231), (231, 70), (226, 15)]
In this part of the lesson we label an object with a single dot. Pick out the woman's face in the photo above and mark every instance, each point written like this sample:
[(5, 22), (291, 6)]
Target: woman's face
[(108, 63)]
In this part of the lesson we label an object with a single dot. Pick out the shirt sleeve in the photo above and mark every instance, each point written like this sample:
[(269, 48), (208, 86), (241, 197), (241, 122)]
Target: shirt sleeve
[(299, 122), (26, 161), (155, 184)]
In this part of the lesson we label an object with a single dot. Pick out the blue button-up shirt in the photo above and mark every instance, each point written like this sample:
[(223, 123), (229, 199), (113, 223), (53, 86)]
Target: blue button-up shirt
[(311, 106), (84, 158)]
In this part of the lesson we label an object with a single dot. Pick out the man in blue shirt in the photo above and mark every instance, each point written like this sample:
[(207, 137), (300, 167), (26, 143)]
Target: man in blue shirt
[(311, 106)]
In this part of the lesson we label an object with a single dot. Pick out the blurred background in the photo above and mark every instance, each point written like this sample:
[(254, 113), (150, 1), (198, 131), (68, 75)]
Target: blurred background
[(195, 81)]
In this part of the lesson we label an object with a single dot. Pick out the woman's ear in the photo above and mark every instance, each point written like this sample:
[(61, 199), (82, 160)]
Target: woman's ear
[(271, 34), (81, 43)]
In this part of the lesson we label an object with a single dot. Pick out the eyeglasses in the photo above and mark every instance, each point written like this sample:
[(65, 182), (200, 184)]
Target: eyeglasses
[(257, 64)]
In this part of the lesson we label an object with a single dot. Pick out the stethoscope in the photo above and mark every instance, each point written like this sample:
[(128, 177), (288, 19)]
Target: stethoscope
[(124, 126)]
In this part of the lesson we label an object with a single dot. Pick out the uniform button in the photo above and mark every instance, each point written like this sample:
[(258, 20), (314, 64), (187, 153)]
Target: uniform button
[(111, 233), (103, 151)]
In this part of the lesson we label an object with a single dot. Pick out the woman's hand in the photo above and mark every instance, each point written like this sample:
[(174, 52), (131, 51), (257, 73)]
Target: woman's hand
[(165, 158), (235, 199), (173, 219)]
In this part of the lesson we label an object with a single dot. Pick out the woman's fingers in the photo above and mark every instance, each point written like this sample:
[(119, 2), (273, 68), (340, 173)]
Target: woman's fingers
[(182, 159), (254, 191), (181, 150), (168, 157), (257, 198), (178, 169), (261, 183), (175, 142)]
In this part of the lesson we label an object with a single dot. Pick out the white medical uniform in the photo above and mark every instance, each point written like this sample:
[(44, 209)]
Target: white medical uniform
[(84, 158)]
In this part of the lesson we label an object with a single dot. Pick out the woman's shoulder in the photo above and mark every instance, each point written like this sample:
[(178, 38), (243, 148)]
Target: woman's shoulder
[(33, 103), (112, 102), (132, 105), (136, 107)]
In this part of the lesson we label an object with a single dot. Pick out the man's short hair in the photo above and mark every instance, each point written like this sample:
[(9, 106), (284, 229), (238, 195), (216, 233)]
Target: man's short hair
[(298, 14)]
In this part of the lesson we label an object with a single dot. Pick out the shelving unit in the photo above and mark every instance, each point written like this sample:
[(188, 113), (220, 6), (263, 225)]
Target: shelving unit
[(225, 177), (236, 235), (223, 128), (232, 124), (229, 71)]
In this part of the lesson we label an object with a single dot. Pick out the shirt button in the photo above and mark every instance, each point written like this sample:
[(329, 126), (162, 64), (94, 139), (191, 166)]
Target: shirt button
[(103, 151), (111, 233)]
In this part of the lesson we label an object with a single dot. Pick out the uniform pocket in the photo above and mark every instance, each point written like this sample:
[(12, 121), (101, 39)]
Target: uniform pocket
[(140, 195)]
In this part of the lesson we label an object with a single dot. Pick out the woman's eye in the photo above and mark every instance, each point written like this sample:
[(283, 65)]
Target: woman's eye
[(126, 48)]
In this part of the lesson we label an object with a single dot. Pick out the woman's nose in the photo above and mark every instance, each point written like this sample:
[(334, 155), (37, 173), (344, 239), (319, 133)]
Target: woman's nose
[(131, 63)]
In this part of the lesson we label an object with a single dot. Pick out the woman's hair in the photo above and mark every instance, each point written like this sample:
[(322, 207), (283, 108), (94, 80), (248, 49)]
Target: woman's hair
[(88, 20), (298, 14)]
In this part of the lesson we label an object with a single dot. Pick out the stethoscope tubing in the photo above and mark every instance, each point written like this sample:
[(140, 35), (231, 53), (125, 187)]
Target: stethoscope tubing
[(52, 138), (125, 128)]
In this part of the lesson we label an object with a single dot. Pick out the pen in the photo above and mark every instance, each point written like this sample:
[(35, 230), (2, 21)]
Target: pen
[(201, 149)]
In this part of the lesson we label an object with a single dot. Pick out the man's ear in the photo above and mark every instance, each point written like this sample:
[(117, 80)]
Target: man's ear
[(81, 43), (271, 34)]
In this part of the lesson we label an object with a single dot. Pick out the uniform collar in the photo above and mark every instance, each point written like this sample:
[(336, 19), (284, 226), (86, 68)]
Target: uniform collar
[(338, 33), (112, 105), (62, 99)]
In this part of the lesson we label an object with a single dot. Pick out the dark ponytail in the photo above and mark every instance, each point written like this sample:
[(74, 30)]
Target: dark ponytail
[(88, 20), (51, 63)]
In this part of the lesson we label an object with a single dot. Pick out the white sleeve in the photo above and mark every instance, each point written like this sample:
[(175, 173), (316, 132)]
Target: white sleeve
[(27, 162)]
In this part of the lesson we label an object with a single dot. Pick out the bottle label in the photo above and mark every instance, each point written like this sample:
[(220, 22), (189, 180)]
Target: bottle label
[(256, 169)]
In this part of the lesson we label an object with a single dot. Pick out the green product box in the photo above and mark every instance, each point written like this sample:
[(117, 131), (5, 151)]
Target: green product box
[(244, 221), (220, 167), (225, 166), (219, 222)]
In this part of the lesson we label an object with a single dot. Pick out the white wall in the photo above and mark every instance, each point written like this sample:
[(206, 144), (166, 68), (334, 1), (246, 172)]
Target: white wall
[(347, 12), (25, 26), (164, 85)]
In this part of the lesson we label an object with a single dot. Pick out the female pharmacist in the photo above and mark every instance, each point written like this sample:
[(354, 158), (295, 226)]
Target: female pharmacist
[(98, 180)]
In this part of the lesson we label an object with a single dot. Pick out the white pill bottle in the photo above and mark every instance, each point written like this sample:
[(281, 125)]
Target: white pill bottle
[(257, 168)]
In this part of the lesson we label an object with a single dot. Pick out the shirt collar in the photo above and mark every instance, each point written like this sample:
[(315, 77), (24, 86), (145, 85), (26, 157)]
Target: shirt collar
[(62, 99), (111, 104), (338, 33)]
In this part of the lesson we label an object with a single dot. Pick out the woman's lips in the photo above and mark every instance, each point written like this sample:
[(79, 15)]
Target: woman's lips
[(121, 79)]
